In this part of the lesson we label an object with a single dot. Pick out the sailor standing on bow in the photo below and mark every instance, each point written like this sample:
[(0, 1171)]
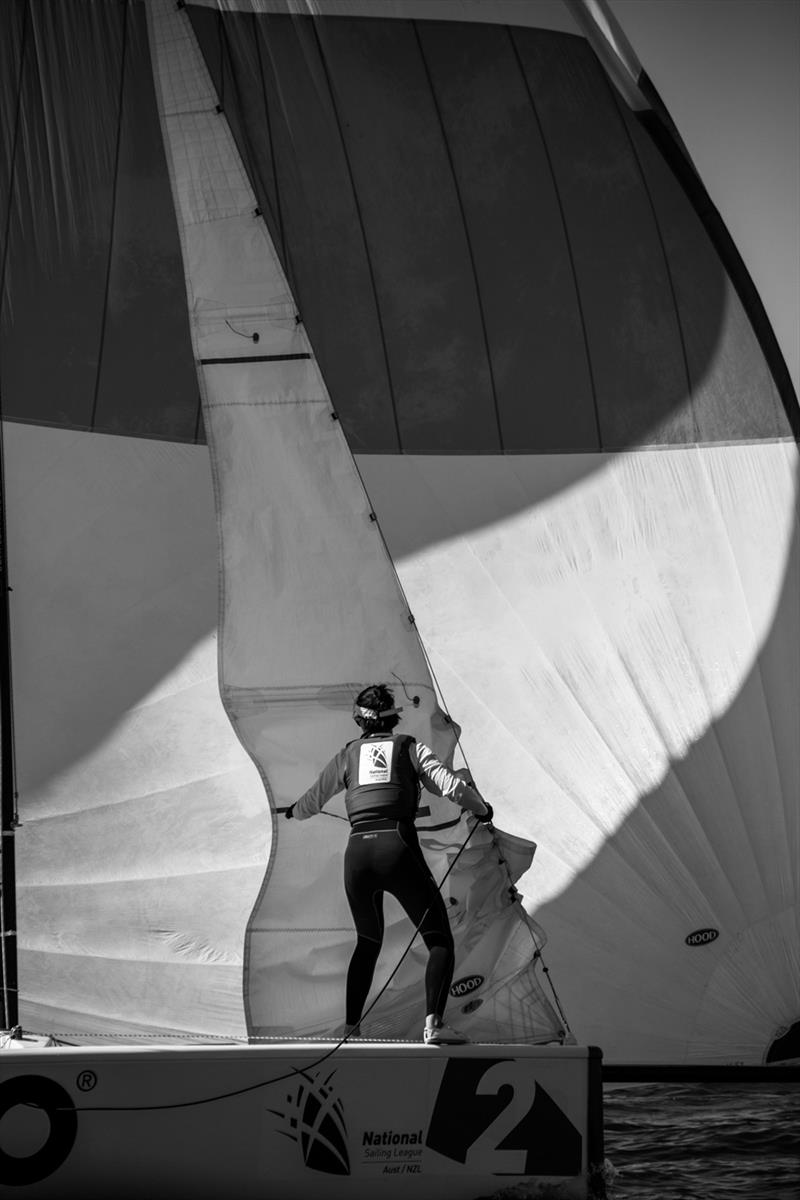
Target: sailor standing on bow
[(381, 773)]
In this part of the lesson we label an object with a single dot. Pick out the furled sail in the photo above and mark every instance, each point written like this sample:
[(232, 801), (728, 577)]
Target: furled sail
[(459, 312), (310, 601)]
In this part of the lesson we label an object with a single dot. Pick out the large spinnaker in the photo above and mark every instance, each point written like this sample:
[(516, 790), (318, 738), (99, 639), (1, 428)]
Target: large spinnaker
[(513, 277), (489, 254)]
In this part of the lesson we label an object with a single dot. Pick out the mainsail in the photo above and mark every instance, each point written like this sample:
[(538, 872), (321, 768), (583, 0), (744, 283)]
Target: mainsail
[(473, 367)]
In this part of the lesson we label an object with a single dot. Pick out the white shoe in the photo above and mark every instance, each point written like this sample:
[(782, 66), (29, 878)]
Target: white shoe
[(443, 1035)]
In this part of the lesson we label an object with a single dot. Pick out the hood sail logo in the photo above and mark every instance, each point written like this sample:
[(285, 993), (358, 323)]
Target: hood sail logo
[(701, 937), (462, 987), (314, 1119)]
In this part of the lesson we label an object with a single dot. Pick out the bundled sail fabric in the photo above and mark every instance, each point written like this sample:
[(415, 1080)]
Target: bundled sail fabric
[(281, 463), (461, 311)]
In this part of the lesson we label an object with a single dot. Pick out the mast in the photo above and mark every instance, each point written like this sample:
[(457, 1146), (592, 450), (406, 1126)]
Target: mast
[(8, 791)]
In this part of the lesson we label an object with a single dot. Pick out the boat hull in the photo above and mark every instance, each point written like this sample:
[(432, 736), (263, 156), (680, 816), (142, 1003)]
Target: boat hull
[(297, 1119)]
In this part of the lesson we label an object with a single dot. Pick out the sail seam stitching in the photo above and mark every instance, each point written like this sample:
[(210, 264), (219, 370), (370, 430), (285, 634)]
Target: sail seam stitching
[(362, 226), (670, 279), (13, 164), (712, 730), (673, 765), (567, 240), (273, 156), (467, 237), (757, 668), (112, 226)]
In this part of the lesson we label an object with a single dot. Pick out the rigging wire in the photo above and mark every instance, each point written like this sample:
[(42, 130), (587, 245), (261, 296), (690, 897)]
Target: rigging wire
[(8, 767), (113, 218)]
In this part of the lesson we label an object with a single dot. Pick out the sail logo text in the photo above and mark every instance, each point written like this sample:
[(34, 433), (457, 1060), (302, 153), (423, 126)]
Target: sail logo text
[(462, 987), (701, 937)]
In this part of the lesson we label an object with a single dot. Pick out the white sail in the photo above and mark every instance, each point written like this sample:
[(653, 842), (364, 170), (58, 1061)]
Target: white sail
[(488, 315), (310, 599), (142, 835)]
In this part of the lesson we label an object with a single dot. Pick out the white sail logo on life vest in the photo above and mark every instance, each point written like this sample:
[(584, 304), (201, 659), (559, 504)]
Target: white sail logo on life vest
[(375, 762)]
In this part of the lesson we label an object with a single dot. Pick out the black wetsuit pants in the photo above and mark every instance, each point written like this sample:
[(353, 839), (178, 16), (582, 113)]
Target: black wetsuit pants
[(385, 856)]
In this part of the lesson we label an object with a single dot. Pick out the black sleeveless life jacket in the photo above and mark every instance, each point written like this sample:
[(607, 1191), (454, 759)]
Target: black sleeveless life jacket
[(380, 778)]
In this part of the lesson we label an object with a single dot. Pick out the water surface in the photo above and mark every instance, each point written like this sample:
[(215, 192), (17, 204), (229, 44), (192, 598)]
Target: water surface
[(703, 1141)]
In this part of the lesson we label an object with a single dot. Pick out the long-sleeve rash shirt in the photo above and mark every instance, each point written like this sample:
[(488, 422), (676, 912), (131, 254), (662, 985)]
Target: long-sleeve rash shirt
[(434, 776)]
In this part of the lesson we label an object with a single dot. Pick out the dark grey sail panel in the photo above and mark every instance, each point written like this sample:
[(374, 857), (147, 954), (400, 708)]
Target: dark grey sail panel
[(95, 333), (489, 253), (626, 302), (520, 243)]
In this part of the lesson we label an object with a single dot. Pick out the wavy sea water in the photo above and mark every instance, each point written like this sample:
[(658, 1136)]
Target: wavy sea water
[(703, 1141)]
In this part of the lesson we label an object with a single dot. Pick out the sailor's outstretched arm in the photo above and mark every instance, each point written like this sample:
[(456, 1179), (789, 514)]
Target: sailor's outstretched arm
[(438, 779), (329, 782)]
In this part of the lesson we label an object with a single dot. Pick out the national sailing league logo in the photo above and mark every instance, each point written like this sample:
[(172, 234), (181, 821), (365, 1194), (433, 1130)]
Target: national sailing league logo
[(377, 757), (375, 762), (315, 1120)]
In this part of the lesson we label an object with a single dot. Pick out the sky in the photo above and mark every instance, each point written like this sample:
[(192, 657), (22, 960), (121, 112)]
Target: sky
[(729, 73)]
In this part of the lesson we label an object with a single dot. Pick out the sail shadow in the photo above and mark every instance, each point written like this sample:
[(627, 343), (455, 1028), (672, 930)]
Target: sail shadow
[(113, 561), (685, 919)]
